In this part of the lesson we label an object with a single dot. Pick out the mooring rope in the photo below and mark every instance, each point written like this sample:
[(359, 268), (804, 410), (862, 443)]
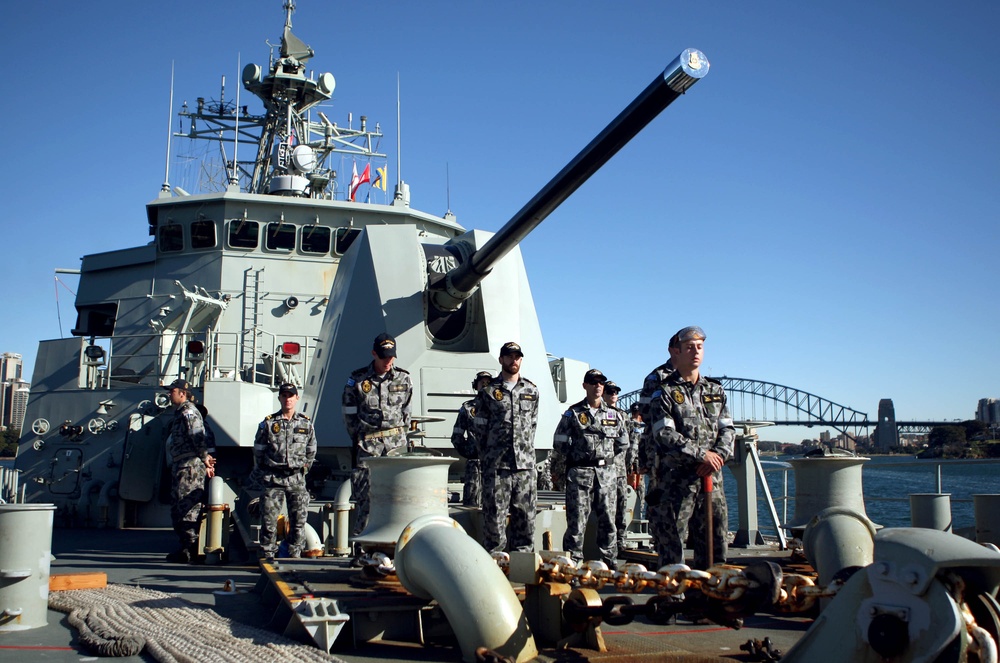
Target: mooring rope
[(121, 620)]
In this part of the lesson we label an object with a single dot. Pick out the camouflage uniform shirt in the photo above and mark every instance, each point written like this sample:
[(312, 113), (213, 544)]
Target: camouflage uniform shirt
[(284, 446), (187, 435), (687, 420), (508, 419), (591, 440), (372, 404)]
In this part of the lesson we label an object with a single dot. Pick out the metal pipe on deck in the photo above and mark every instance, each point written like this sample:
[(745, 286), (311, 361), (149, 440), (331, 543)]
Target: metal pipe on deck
[(216, 520), (691, 65), (436, 559)]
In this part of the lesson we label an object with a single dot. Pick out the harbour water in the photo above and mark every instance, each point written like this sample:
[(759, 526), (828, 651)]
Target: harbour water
[(888, 481)]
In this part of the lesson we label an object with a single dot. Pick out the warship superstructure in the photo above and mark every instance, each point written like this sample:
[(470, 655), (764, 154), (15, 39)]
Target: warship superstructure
[(275, 271)]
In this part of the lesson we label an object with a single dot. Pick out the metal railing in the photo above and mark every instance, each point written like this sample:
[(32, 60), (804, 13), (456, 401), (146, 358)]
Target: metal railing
[(152, 359), (938, 467)]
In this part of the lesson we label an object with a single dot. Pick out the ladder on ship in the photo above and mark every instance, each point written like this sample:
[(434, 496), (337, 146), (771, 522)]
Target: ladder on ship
[(252, 280)]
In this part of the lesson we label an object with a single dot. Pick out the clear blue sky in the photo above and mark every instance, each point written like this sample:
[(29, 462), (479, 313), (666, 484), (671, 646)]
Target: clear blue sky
[(824, 203)]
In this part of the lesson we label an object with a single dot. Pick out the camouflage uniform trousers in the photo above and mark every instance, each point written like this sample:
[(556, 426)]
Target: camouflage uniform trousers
[(591, 488), (621, 510), (361, 485), (281, 489), (681, 513), (472, 491), (509, 491), (187, 499)]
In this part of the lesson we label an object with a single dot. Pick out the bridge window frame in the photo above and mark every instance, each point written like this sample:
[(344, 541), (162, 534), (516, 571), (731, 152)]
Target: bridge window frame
[(170, 238), (316, 240), (279, 236), (243, 234)]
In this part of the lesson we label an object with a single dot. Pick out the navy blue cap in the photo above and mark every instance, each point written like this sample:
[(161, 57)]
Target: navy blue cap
[(384, 346), (510, 348), (288, 388), (610, 386), (594, 376)]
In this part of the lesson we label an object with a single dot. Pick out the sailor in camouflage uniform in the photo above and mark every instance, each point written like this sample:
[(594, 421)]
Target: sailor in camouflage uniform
[(284, 450), (623, 461), (635, 476), (693, 434), (507, 415), (466, 440), (656, 474), (590, 434), (376, 409), (190, 464)]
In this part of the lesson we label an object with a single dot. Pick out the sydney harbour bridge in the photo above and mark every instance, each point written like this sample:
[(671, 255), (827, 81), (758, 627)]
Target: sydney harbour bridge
[(755, 400)]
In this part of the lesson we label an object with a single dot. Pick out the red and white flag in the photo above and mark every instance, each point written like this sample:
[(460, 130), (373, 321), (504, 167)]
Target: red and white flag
[(356, 181)]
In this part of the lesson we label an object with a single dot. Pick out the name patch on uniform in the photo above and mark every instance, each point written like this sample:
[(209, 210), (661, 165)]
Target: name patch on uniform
[(678, 396), (397, 387), (498, 394), (711, 398), (610, 422), (527, 397), (366, 386), (583, 418), (275, 428), (303, 431)]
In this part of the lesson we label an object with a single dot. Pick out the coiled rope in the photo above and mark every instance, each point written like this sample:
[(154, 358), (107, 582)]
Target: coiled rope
[(121, 620)]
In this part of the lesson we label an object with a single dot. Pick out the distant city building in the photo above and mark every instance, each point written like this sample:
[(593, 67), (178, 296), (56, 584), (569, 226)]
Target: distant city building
[(10, 367), (988, 410), (19, 404)]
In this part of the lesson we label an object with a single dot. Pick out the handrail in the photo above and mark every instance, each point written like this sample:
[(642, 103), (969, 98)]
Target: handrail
[(137, 359)]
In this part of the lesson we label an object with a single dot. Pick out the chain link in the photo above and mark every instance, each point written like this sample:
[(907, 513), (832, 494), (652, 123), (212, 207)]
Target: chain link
[(723, 582)]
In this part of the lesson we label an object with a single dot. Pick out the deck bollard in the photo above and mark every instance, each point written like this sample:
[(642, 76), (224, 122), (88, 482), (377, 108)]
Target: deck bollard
[(25, 554), (931, 511)]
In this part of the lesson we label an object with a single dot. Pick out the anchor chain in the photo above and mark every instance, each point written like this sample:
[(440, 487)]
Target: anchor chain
[(761, 583)]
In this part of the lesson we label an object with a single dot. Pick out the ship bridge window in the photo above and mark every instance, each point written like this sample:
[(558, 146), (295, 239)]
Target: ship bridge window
[(171, 238), (243, 234), (203, 235), (315, 239), (345, 237), (280, 237)]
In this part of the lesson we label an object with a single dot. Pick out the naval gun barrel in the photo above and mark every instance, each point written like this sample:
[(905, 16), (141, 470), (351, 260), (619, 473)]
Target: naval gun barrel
[(691, 65)]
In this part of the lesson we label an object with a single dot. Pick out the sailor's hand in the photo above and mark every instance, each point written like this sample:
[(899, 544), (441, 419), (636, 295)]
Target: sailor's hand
[(711, 464)]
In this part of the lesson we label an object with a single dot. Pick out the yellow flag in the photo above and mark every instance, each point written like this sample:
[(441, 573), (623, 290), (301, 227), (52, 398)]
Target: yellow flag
[(380, 179)]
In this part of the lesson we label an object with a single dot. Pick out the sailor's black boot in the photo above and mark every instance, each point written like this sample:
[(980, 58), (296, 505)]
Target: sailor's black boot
[(182, 556)]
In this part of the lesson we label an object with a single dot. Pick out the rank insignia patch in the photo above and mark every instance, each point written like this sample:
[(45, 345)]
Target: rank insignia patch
[(366, 386)]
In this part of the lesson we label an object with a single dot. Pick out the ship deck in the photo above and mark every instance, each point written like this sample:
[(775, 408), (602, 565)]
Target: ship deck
[(135, 557)]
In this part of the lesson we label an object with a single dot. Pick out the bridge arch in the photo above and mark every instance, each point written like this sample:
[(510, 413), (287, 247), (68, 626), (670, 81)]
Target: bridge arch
[(756, 400)]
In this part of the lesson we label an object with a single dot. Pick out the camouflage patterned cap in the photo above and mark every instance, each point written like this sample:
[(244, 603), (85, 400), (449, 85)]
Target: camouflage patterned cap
[(687, 334)]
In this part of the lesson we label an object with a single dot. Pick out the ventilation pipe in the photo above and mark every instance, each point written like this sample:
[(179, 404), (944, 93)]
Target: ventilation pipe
[(436, 559)]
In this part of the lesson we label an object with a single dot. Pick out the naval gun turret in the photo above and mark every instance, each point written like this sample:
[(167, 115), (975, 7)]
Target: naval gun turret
[(452, 304)]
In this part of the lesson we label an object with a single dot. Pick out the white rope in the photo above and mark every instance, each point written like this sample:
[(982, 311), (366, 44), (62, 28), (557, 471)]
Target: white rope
[(118, 619)]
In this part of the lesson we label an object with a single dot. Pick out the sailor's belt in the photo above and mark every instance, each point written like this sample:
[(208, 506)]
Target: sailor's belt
[(599, 462), (388, 432)]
